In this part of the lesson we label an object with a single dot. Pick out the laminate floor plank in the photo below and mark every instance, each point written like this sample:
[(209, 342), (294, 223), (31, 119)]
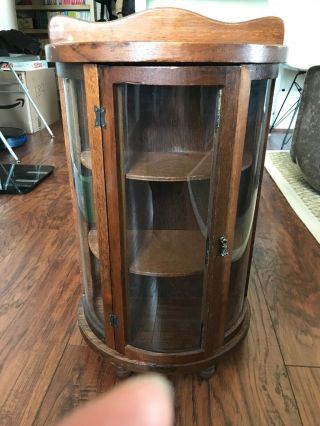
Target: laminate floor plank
[(40, 278), (306, 385), (250, 387), (76, 338), (81, 376), (33, 374), (50, 208), (287, 259), (47, 370), (36, 329), (40, 283)]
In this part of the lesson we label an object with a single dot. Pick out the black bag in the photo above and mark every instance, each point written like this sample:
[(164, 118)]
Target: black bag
[(14, 41)]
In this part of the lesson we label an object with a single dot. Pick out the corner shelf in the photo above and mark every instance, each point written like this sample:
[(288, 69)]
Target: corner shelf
[(163, 253), (85, 159), (171, 166), (168, 253), (93, 242), (168, 166)]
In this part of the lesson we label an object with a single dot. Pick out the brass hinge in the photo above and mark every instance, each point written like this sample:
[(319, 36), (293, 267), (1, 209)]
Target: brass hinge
[(100, 120), (113, 320)]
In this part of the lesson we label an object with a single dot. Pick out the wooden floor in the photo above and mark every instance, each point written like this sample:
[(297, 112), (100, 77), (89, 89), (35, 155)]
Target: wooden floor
[(46, 369)]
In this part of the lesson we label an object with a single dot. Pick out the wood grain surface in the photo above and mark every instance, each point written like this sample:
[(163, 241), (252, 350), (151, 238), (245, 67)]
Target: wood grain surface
[(166, 35), (175, 166), (167, 24), (306, 386), (287, 258), (165, 52), (170, 253), (47, 370)]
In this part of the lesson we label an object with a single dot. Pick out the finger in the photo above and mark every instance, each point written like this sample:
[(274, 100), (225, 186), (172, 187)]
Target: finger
[(145, 400)]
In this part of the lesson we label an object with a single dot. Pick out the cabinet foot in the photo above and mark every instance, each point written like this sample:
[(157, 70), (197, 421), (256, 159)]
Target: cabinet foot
[(122, 372), (209, 372)]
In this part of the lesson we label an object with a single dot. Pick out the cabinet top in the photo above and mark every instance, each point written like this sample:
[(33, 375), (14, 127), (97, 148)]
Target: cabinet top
[(166, 35)]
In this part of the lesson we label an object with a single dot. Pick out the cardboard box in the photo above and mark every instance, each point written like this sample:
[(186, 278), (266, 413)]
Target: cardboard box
[(15, 108)]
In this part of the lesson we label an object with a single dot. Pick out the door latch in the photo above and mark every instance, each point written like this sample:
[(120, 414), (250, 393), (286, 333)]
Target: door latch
[(100, 120), (223, 246)]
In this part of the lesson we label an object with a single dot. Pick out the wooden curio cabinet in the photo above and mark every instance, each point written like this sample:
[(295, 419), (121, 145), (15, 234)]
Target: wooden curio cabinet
[(165, 119)]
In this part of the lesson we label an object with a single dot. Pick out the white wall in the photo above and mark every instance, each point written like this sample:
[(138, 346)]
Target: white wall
[(8, 19), (228, 10), (301, 18), (302, 31)]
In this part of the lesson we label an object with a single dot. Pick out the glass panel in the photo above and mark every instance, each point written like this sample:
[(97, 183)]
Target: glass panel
[(249, 181), (82, 179), (166, 137)]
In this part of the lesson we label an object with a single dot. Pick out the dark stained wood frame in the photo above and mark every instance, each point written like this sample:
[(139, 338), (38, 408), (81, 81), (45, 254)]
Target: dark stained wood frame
[(95, 141), (255, 218), (234, 110), (166, 38), (76, 214), (166, 35), (236, 89), (164, 52), (167, 24), (88, 75)]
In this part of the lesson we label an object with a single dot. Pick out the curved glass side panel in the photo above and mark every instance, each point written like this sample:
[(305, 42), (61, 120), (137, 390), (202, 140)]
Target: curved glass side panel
[(166, 136), (249, 181), (82, 179)]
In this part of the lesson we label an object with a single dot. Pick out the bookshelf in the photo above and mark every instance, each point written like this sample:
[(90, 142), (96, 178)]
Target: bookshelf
[(34, 15), (28, 7)]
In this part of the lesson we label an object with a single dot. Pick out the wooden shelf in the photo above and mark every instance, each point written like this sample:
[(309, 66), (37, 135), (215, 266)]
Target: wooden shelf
[(165, 253), (85, 159), (168, 253), (171, 166), (174, 166), (93, 242), (164, 166), (54, 7)]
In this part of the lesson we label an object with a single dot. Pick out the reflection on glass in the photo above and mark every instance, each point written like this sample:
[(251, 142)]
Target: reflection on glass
[(166, 136), (251, 168), (82, 179), (20, 178)]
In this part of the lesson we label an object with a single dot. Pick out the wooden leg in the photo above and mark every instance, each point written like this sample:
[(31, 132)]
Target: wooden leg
[(122, 372), (209, 372)]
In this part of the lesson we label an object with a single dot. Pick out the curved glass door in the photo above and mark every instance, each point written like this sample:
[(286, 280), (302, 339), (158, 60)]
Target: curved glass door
[(80, 157), (165, 139), (248, 190)]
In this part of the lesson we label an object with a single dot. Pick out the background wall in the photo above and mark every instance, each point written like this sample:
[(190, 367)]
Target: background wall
[(8, 17), (302, 31), (231, 10), (301, 17)]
